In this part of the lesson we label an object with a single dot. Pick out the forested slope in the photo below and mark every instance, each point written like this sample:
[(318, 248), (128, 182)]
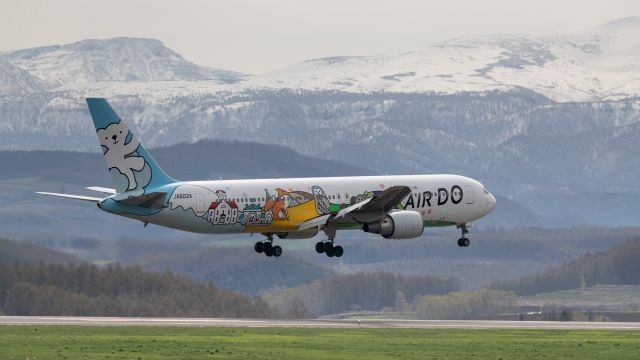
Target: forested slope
[(35, 280), (617, 265)]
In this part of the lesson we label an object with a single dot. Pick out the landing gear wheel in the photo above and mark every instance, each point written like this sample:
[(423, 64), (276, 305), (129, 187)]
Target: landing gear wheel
[(327, 246), (268, 249), (258, 247), (319, 247), (463, 241), (330, 252), (338, 251), (277, 251)]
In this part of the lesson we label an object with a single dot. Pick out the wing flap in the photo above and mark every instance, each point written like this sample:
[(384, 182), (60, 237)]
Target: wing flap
[(354, 207), (314, 223), (387, 200), (380, 203)]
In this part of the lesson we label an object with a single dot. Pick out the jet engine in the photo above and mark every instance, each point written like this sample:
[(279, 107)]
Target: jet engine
[(304, 234), (397, 225)]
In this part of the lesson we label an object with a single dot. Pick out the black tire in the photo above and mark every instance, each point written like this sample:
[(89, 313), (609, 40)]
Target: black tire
[(327, 246), (319, 247), (277, 251), (460, 242), (338, 251), (466, 242), (268, 250), (258, 247), (329, 252)]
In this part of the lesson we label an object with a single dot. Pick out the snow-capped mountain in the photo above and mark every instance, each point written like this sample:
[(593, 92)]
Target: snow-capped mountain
[(119, 59), (600, 63), (538, 118), (14, 80)]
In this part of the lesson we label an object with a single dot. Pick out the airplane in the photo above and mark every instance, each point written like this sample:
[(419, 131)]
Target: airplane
[(395, 207)]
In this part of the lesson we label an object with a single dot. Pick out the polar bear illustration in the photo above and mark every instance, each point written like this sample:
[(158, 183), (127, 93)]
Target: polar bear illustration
[(119, 155)]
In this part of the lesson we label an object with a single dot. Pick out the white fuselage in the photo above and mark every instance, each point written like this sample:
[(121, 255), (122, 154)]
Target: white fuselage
[(280, 205)]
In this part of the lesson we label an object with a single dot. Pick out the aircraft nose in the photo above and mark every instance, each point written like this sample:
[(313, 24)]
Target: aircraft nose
[(491, 201)]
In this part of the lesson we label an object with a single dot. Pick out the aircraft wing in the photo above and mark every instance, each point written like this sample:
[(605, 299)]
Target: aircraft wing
[(386, 200), (380, 203)]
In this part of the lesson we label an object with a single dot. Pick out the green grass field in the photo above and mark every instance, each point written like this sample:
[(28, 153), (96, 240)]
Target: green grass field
[(79, 342)]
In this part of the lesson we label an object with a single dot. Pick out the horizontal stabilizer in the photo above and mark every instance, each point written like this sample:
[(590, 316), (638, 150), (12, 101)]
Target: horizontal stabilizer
[(69, 196), (103, 190), (154, 200)]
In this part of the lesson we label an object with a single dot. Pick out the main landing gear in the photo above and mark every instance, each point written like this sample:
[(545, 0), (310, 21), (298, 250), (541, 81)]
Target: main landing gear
[(463, 241), (328, 248), (267, 247)]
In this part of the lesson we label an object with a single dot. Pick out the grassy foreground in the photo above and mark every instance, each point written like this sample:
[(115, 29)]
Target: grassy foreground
[(79, 342)]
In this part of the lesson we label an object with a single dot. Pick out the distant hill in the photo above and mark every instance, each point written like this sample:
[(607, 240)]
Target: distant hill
[(21, 251), (206, 159), (618, 265)]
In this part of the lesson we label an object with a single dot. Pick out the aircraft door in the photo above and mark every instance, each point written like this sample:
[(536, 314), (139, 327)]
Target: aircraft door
[(469, 194), (199, 203)]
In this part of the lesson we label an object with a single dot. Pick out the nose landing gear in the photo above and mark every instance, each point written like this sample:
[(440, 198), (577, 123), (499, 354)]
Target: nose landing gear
[(267, 247), (463, 241)]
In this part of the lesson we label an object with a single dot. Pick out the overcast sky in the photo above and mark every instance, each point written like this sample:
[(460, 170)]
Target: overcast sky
[(259, 36)]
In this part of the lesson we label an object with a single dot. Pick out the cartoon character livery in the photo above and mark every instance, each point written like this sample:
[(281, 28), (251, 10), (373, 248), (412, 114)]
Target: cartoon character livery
[(121, 155), (395, 207)]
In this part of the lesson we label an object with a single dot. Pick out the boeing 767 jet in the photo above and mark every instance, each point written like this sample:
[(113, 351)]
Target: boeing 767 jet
[(395, 207)]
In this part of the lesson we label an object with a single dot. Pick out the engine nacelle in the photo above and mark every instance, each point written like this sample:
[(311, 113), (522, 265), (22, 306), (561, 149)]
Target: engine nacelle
[(397, 225), (304, 234)]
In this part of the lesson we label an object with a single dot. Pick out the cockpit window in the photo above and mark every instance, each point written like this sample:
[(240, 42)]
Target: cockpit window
[(485, 190)]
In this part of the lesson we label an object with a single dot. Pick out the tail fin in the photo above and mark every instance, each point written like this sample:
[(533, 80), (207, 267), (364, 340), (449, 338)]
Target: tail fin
[(132, 168)]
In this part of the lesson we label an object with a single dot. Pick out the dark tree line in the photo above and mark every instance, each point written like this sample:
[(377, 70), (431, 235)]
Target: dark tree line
[(618, 265), (234, 268), (70, 289)]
